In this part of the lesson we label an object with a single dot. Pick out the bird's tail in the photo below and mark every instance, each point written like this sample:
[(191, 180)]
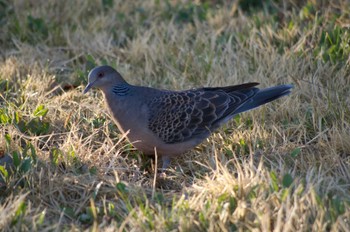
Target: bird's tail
[(264, 96)]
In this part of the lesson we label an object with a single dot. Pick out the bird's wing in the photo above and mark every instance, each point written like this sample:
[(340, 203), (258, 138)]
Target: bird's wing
[(177, 117)]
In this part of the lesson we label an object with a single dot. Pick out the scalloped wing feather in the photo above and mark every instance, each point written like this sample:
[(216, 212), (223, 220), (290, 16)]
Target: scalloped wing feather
[(180, 116)]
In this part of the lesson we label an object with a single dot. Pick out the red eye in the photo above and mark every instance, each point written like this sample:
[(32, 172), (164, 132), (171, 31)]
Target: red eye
[(101, 74)]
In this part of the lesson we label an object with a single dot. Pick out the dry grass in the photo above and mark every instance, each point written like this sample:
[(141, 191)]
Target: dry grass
[(282, 167)]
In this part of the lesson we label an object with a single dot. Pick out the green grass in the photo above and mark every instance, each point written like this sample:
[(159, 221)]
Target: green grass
[(65, 166)]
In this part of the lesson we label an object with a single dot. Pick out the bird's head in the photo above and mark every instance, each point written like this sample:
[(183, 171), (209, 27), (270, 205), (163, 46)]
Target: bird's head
[(103, 77)]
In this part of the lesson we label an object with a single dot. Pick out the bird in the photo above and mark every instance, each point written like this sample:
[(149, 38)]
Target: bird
[(169, 123)]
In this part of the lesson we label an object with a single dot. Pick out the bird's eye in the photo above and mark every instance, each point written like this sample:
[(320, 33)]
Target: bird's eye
[(100, 75)]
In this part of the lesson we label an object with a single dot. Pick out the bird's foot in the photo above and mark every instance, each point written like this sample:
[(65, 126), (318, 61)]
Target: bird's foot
[(165, 165)]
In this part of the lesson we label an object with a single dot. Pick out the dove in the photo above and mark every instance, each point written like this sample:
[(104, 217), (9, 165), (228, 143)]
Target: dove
[(169, 123)]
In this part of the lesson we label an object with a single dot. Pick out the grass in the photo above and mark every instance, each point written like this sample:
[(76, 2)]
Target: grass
[(282, 167)]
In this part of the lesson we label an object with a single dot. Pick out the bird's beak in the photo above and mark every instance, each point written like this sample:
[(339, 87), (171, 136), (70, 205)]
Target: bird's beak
[(88, 87)]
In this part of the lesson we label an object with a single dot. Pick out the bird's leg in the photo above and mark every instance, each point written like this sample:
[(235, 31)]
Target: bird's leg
[(165, 165), (166, 162)]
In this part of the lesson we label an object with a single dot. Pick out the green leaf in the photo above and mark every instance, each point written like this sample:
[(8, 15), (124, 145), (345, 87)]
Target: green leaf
[(207, 205), (159, 198), (274, 182), (40, 111), (249, 122), (19, 212), (91, 63), (300, 189), (287, 180), (4, 118), (93, 170), (111, 208), (202, 219), (237, 119), (121, 187), (338, 205), (85, 218), (4, 172), (21, 209), (69, 212), (55, 154), (4, 86), (33, 152), (318, 198), (16, 159), (242, 142), (253, 193), (16, 118), (8, 139), (38, 127), (41, 218), (37, 26), (233, 204), (107, 4), (222, 198), (284, 195), (295, 152), (26, 164)]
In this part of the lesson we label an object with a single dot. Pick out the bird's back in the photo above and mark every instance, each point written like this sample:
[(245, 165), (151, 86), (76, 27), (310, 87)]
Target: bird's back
[(177, 117)]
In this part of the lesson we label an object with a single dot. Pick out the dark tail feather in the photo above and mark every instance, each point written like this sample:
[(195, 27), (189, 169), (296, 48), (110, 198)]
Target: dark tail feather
[(264, 96), (232, 88)]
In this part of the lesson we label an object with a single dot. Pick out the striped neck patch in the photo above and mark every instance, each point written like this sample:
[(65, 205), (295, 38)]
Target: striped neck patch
[(121, 90)]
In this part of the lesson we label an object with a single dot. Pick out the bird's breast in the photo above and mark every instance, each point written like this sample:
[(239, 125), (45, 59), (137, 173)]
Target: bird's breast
[(131, 117)]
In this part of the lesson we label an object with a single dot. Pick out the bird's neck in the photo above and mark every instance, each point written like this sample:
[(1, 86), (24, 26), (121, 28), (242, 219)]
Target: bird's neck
[(116, 89), (119, 106), (121, 89)]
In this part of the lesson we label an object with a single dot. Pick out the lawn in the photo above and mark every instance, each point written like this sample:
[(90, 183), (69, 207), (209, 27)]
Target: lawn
[(282, 167)]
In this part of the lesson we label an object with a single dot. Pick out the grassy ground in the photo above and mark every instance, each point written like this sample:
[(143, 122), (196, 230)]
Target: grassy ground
[(282, 167)]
